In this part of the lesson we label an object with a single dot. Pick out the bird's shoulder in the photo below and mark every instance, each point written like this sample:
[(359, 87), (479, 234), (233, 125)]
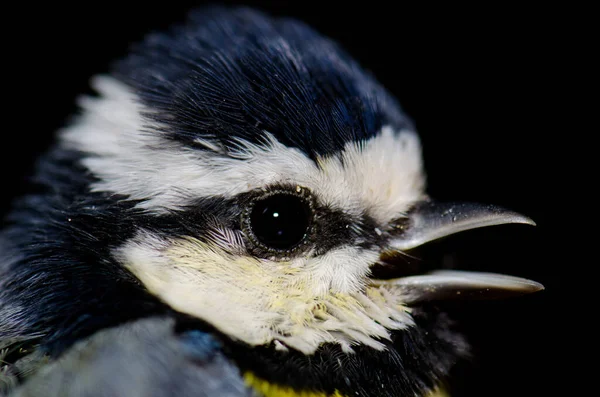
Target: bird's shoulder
[(142, 358)]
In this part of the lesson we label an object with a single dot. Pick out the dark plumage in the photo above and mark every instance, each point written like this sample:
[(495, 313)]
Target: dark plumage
[(236, 73), (225, 77)]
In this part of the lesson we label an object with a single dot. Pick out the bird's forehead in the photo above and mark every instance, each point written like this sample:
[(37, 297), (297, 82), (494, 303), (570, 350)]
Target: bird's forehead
[(129, 155)]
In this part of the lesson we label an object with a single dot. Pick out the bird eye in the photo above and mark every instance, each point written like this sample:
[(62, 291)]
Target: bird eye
[(279, 221)]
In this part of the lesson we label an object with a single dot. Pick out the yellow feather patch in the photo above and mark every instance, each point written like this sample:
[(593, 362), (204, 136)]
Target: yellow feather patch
[(267, 389), (438, 393)]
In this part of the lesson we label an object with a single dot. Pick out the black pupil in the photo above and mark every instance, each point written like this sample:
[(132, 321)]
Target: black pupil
[(280, 221)]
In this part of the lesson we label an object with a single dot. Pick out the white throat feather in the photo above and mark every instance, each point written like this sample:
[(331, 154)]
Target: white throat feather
[(301, 303)]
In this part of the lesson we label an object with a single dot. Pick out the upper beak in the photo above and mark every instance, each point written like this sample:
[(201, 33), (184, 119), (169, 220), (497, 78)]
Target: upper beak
[(430, 221)]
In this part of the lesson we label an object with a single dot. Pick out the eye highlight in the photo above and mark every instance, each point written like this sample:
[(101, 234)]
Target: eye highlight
[(279, 221)]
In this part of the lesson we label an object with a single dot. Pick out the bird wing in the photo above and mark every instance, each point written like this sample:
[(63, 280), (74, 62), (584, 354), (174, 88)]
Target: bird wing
[(144, 358)]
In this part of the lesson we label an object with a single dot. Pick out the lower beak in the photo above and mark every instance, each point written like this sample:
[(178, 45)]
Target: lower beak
[(430, 221)]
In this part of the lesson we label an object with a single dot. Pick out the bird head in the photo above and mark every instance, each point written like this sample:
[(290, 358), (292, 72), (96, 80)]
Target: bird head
[(253, 176)]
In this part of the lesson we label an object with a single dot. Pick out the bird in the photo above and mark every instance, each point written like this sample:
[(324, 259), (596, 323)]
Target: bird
[(229, 214)]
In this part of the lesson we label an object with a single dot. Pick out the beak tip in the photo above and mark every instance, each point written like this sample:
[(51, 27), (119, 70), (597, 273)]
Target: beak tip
[(526, 220), (535, 286), (512, 217)]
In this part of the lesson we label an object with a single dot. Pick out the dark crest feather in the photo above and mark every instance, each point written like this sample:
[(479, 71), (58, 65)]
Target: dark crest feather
[(237, 73)]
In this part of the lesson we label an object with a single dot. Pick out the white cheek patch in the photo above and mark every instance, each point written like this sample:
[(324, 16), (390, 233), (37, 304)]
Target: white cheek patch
[(129, 156), (383, 175), (301, 304)]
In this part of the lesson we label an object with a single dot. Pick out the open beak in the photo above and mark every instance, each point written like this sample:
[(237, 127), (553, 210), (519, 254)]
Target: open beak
[(430, 221)]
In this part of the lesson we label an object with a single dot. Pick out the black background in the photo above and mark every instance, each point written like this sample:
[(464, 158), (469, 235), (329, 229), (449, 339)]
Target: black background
[(483, 85)]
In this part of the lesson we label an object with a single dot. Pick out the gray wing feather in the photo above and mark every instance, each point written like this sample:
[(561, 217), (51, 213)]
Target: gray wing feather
[(140, 359)]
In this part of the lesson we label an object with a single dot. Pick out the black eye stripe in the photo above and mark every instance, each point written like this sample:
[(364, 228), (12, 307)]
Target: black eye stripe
[(329, 227)]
